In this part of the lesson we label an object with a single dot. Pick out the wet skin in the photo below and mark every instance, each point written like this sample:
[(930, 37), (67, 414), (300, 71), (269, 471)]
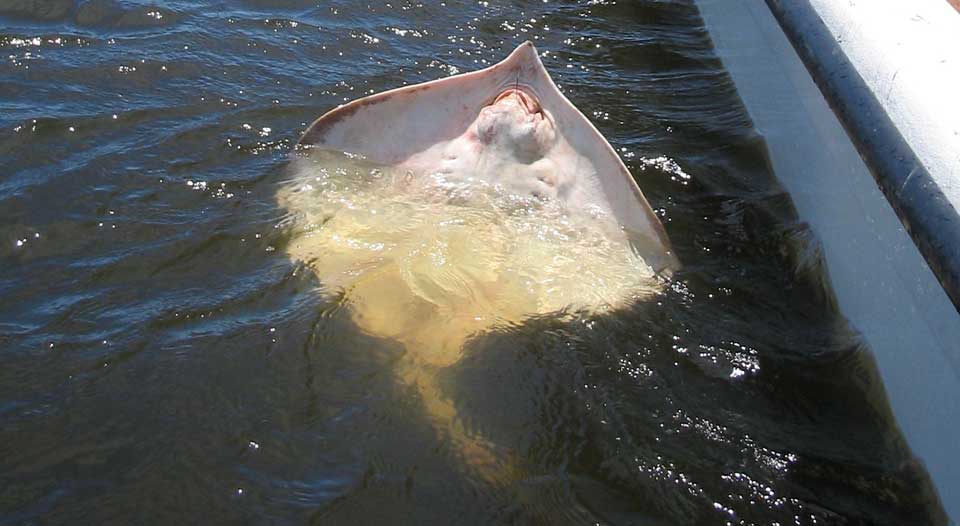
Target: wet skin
[(509, 144)]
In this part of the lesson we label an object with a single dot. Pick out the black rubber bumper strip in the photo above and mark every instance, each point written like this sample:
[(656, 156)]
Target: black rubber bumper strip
[(929, 217)]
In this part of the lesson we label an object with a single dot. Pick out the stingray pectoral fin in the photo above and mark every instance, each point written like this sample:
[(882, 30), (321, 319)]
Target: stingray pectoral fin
[(599, 174), (391, 126), (655, 250)]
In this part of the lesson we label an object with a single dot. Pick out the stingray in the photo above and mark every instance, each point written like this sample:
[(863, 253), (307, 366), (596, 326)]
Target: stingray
[(438, 211)]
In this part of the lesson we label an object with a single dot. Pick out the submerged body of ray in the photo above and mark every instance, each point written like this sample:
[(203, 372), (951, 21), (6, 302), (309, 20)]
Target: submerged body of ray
[(429, 261), (166, 360)]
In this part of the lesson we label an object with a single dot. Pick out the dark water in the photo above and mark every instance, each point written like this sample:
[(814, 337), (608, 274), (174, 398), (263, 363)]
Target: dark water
[(162, 361)]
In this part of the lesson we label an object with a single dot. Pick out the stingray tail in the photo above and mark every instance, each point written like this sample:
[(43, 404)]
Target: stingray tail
[(493, 465)]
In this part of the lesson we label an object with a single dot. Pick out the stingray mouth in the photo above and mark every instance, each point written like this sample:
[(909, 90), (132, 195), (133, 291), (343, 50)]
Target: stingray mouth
[(516, 120), (527, 101)]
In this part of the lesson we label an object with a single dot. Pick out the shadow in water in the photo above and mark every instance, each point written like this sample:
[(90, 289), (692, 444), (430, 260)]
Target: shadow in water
[(740, 392)]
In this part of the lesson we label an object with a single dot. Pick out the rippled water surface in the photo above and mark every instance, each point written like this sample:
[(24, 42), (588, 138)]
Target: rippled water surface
[(164, 360)]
